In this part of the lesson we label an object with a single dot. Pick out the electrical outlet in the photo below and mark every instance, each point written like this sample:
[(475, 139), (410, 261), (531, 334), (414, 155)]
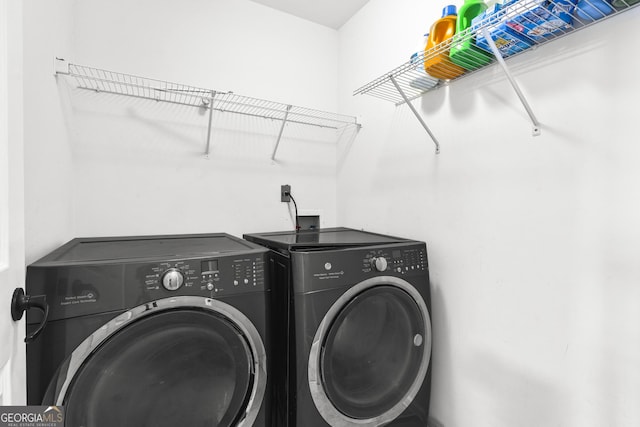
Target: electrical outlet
[(285, 193)]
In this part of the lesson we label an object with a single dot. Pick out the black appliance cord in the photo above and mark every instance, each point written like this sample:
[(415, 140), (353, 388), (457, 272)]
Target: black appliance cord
[(296, 207)]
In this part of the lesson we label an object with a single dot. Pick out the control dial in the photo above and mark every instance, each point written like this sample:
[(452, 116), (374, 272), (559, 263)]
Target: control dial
[(172, 279), (379, 263)]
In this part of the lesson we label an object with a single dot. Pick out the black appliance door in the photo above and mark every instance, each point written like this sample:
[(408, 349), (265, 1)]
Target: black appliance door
[(184, 361), (370, 353)]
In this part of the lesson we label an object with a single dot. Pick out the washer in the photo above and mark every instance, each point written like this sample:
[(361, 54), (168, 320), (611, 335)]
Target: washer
[(356, 308), (152, 331)]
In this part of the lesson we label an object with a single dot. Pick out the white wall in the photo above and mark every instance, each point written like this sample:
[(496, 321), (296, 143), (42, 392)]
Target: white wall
[(12, 268), (533, 242), (48, 162), (99, 164)]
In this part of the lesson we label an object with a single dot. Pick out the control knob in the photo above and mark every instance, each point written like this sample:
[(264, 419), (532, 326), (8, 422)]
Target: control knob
[(379, 263), (172, 279)]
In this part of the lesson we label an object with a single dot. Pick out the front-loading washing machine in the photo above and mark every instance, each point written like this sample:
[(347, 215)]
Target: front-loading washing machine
[(152, 331), (356, 310)]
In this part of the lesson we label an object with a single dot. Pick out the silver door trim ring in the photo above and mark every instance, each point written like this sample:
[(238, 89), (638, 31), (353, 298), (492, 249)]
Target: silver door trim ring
[(92, 342), (333, 416)]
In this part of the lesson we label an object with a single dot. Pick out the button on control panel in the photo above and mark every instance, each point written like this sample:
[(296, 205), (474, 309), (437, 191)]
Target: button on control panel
[(172, 279), (379, 263), (170, 276)]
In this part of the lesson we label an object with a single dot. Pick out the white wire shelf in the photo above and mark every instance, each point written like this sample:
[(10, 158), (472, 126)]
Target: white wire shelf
[(112, 82), (414, 82)]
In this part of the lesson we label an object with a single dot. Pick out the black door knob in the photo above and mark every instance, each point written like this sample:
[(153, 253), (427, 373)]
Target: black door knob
[(21, 303)]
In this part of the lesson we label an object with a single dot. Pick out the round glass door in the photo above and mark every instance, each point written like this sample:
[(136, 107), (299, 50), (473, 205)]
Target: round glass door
[(372, 355), (178, 366)]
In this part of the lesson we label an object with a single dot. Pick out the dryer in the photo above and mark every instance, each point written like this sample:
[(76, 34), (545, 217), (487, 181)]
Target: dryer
[(152, 331), (356, 310)]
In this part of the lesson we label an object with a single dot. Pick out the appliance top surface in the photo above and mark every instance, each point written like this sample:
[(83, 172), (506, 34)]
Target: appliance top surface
[(323, 237), (145, 247)]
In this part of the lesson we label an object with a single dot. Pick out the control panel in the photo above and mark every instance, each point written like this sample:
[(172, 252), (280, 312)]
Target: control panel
[(85, 288), (204, 276), (400, 261), (318, 270)]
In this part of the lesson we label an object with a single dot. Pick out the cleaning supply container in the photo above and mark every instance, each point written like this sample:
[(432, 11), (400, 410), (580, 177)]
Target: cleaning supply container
[(509, 41), (507, 36), (623, 3), (463, 50), (421, 80), (436, 53), (594, 9), (544, 18)]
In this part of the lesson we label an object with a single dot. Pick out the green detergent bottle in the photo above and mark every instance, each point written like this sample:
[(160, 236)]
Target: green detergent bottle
[(463, 51)]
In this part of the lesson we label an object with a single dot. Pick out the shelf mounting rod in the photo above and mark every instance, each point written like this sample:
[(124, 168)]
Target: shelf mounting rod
[(213, 94), (514, 84), (415, 112), (284, 122)]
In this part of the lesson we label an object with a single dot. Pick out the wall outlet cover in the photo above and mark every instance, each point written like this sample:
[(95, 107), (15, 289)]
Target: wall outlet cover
[(285, 193)]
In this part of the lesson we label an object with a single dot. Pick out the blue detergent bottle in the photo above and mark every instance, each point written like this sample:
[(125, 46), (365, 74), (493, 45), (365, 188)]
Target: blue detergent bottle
[(590, 10)]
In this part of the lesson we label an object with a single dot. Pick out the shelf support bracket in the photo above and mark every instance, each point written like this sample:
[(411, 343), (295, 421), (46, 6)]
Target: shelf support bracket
[(207, 150), (284, 122), (415, 112), (60, 66), (514, 84)]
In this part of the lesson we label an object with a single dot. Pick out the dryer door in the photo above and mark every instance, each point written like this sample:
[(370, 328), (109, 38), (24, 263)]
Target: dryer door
[(184, 361), (370, 354)]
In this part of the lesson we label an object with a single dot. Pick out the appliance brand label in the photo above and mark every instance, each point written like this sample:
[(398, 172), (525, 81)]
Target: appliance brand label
[(330, 275), (79, 299), (31, 416)]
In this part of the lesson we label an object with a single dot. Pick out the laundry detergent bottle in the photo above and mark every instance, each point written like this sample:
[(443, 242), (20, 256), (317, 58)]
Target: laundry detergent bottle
[(593, 9), (436, 53), (463, 51), (623, 3)]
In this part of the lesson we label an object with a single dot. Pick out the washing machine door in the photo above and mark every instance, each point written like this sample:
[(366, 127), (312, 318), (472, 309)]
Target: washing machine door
[(184, 361), (370, 354)]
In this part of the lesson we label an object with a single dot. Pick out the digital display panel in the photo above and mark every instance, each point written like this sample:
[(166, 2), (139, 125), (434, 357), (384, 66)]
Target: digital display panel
[(209, 265)]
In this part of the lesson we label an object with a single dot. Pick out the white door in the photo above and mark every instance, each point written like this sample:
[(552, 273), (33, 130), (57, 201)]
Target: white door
[(12, 260)]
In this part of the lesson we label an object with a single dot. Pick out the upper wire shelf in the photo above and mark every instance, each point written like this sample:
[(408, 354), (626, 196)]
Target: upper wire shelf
[(518, 17), (101, 80)]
